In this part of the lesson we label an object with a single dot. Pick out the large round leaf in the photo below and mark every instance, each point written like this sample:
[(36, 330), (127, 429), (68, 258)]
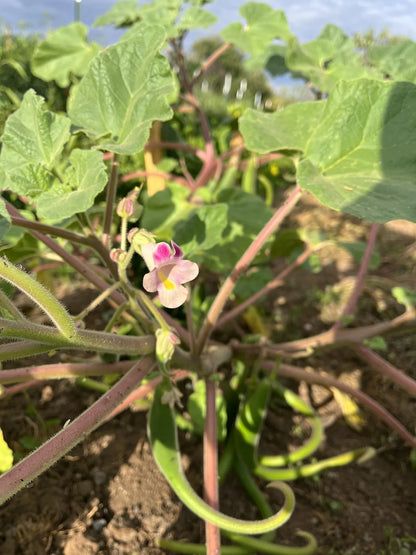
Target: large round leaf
[(124, 91), (361, 158)]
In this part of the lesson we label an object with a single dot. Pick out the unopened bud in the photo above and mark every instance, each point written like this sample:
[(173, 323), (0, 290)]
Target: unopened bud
[(117, 255), (125, 208), (165, 345), (139, 237)]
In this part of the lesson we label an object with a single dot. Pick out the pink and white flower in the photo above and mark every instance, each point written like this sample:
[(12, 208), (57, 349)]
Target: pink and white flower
[(168, 271)]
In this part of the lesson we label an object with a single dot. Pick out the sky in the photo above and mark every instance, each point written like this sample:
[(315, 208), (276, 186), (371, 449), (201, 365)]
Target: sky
[(306, 17)]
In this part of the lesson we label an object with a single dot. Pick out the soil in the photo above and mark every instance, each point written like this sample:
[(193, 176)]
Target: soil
[(108, 497)]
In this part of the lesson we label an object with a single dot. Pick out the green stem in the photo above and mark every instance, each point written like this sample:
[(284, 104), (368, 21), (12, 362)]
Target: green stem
[(88, 340), (21, 349), (7, 305), (41, 296)]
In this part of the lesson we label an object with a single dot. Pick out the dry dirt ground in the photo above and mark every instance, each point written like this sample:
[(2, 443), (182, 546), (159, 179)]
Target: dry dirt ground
[(108, 497)]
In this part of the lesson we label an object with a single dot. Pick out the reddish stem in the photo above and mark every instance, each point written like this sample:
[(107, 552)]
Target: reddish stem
[(242, 265), (12, 390), (210, 60), (47, 454), (289, 371), (143, 390), (359, 282), (212, 532), (276, 282), (381, 365)]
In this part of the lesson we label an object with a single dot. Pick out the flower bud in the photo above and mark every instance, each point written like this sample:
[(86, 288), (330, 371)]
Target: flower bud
[(165, 345), (125, 208), (139, 237), (117, 255)]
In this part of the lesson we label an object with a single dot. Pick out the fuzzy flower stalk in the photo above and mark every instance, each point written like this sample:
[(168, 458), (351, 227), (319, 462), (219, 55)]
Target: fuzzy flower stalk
[(168, 272)]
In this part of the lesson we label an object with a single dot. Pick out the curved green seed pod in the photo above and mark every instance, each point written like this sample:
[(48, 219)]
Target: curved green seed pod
[(247, 436), (261, 546), (310, 445), (306, 470), (198, 549), (164, 441), (257, 546), (41, 296)]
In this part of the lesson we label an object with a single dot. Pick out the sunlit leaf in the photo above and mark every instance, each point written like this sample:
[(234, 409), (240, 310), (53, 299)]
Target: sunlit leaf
[(263, 25), (395, 60), (116, 105), (287, 129), (360, 158), (120, 14), (32, 143), (64, 52), (203, 229), (84, 178), (196, 18)]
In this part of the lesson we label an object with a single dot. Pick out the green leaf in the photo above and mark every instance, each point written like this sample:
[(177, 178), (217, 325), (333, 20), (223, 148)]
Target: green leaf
[(116, 104), (357, 249), (404, 297), (164, 209), (395, 60), (203, 229), (287, 129), (159, 12), (83, 180), (361, 157), (4, 217), (6, 455), (33, 140), (251, 283), (63, 53), (376, 343), (120, 14), (263, 25), (196, 18), (247, 214), (327, 59)]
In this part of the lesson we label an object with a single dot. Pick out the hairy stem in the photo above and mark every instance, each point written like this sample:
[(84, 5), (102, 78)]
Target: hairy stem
[(333, 339), (88, 340), (47, 454), (41, 296)]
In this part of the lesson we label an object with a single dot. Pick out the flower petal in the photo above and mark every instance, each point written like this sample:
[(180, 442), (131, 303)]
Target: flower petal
[(151, 281), (162, 253), (172, 298), (147, 254), (177, 251), (183, 271)]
